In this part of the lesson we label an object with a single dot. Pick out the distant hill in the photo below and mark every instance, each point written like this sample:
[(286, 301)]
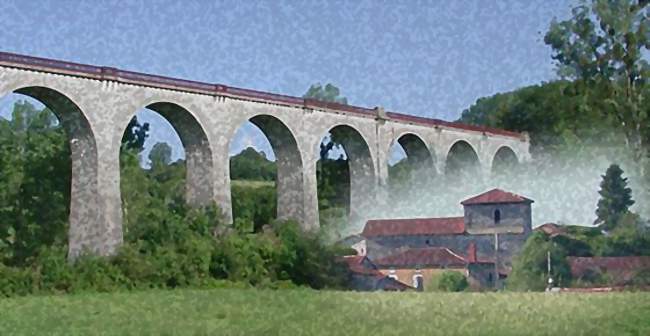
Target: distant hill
[(252, 165)]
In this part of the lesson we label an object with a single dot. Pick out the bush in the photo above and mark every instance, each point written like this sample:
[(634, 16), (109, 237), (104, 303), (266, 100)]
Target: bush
[(452, 281), (306, 260), (530, 265), (15, 281), (642, 278), (167, 244)]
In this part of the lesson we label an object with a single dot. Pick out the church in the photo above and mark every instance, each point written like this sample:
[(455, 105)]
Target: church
[(480, 244)]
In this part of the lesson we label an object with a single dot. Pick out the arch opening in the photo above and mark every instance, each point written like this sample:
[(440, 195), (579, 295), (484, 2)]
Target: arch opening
[(266, 183), (505, 162), (164, 157), (346, 180), (462, 162), (410, 165), (48, 162)]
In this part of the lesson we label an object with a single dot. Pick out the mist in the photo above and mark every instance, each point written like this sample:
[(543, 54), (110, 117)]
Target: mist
[(564, 186)]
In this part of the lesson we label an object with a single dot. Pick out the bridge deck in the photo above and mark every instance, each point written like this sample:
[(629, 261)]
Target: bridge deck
[(136, 78)]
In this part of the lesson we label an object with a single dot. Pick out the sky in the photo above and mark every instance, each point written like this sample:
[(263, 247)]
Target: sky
[(426, 58)]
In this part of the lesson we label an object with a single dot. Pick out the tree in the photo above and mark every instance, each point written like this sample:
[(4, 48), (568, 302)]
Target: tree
[(35, 175), (529, 268), (329, 93), (556, 115), (332, 174), (615, 200), (601, 46), (135, 135), (160, 155), (250, 164), (452, 281)]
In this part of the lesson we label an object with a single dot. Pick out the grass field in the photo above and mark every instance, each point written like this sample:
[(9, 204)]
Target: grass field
[(307, 312), (252, 184)]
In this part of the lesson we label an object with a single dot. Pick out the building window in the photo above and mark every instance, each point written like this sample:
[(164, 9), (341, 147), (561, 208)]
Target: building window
[(418, 282), (392, 274), (497, 216)]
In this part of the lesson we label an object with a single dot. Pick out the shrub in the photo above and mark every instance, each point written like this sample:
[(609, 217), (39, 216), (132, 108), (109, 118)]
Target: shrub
[(94, 273), (15, 281), (642, 278), (451, 281), (530, 265), (306, 260)]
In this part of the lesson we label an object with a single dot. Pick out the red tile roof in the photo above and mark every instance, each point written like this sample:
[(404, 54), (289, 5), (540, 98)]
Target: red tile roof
[(414, 226), (496, 196), (550, 229), (620, 270), (362, 265), (423, 257)]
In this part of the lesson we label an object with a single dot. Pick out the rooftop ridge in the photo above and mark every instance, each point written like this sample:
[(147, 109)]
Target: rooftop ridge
[(496, 195), (412, 218), (164, 82)]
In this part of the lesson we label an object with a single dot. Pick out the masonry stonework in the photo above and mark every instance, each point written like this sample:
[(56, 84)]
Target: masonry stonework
[(95, 104)]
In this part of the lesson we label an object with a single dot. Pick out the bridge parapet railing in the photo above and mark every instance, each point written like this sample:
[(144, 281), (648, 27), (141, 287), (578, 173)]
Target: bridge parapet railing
[(137, 78)]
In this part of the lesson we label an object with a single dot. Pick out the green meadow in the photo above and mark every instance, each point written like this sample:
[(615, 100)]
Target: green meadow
[(310, 312)]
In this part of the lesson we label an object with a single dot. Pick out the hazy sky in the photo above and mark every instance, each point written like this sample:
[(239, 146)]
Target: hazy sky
[(428, 58)]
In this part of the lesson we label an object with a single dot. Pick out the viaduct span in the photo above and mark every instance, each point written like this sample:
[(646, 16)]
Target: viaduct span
[(95, 104)]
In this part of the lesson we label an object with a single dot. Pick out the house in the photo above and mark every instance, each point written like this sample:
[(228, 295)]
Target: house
[(366, 277), (494, 226), (618, 271), (417, 267), (551, 229)]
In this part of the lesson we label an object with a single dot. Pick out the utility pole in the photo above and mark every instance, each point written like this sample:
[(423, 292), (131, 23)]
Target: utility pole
[(496, 260), (548, 271)]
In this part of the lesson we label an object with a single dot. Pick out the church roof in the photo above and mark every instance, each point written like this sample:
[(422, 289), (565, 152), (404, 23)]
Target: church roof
[(496, 196), (423, 257), (414, 226), (361, 265), (620, 270)]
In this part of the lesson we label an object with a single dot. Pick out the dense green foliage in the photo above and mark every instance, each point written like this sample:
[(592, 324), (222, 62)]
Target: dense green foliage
[(33, 206), (556, 115), (252, 165), (602, 47), (327, 93), (529, 271), (167, 244), (333, 178), (301, 311), (615, 198), (451, 281), (602, 99), (629, 237), (253, 206)]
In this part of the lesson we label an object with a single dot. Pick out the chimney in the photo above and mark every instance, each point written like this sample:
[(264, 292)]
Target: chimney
[(471, 252)]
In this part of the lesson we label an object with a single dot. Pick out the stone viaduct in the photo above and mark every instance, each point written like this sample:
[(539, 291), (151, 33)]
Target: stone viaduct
[(95, 104)]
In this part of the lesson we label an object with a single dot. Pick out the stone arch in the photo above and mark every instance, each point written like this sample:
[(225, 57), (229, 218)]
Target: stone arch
[(462, 159), (362, 170), (289, 165), (504, 160), (85, 231), (417, 151), (198, 153)]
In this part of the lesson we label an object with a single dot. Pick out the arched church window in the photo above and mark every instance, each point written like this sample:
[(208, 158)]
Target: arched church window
[(497, 216)]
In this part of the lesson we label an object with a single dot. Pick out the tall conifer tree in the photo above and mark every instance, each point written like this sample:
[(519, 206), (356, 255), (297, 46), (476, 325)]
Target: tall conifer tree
[(615, 198)]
